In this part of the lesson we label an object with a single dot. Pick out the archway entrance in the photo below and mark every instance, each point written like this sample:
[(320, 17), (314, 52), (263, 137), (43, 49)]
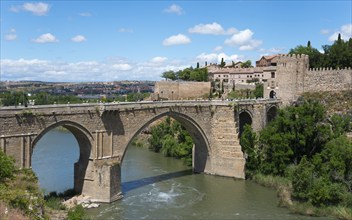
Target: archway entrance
[(62, 146), (271, 114), (245, 118)]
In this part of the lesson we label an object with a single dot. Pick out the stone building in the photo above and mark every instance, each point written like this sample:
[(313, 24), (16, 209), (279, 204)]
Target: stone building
[(233, 76), (285, 77)]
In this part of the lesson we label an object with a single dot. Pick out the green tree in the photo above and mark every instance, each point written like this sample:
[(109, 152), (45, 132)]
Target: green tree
[(259, 90), (248, 142), (246, 64), (222, 64), (169, 75)]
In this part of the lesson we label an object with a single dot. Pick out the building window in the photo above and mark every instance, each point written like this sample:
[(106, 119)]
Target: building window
[(272, 74)]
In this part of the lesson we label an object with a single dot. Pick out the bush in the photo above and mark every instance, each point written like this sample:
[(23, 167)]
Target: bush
[(7, 167)]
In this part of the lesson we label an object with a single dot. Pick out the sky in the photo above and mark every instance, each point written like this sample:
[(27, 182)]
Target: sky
[(90, 41)]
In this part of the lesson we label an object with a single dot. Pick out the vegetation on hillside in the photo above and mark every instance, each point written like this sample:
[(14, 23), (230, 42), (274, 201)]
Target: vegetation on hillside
[(171, 139), (310, 151), (337, 55), (20, 197)]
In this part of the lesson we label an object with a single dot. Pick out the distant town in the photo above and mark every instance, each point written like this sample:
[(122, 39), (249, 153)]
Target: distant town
[(86, 90)]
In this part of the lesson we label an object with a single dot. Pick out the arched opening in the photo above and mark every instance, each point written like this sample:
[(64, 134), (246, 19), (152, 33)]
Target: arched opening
[(271, 114), (272, 94), (245, 118), (199, 152), (60, 156)]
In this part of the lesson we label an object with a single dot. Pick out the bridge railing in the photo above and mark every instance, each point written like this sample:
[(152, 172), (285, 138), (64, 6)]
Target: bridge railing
[(141, 104)]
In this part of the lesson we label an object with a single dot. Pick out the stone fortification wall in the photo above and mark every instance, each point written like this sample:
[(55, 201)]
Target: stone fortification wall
[(181, 90), (293, 77), (326, 79)]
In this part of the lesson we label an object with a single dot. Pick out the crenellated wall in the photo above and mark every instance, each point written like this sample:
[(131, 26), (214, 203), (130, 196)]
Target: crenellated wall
[(327, 79), (293, 77)]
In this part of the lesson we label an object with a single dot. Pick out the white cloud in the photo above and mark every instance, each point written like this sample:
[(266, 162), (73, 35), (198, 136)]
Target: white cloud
[(176, 40), (345, 31), (214, 28), (251, 45), (78, 38), (122, 66), (125, 30), (11, 36), (108, 70), (217, 57), (39, 8), (174, 9), (45, 38), (158, 59), (244, 40)]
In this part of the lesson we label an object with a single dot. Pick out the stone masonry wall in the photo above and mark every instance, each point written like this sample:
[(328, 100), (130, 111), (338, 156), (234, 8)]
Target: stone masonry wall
[(325, 79), (293, 77), (181, 90)]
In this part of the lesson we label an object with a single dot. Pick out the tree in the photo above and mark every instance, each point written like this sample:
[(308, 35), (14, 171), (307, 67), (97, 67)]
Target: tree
[(169, 75), (248, 142), (222, 64), (246, 64)]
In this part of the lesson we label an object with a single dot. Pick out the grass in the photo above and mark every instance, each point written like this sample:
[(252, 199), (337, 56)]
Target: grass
[(284, 191)]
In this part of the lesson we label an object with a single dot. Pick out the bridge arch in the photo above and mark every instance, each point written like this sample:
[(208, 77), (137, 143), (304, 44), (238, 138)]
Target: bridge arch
[(271, 113), (245, 117), (201, 150), (84, 139)]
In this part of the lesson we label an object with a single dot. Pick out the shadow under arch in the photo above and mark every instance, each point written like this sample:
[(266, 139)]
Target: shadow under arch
[(271, 113), (84, 139), (245, 117), (201, 149)]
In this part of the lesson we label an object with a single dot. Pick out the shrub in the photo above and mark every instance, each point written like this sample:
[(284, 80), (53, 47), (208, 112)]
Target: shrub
[(7, 167)]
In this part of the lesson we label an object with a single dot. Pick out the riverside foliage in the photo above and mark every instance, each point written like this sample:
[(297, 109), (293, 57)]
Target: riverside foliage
[(310, 149), (171, 139)]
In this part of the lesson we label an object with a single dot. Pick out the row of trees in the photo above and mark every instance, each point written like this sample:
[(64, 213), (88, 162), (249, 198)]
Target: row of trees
[(171, 139), (188, 74), (337, 55), (307, 147)]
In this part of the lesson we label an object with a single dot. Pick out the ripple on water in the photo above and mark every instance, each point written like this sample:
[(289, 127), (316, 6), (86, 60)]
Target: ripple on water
[(166, 196)]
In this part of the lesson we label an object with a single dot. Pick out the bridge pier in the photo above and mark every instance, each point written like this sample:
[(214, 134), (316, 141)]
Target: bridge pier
[(103, 181)]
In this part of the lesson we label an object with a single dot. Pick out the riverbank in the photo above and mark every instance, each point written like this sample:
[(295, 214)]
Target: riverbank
[(283, 186)]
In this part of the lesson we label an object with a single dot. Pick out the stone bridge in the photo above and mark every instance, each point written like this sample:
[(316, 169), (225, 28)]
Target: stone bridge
[(103, 132)]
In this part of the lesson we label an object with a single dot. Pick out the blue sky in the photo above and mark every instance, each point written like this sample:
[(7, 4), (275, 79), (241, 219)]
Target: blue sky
[(138, 40)]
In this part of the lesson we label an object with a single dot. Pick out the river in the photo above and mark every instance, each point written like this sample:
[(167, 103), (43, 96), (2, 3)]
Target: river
[(156, 187)]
